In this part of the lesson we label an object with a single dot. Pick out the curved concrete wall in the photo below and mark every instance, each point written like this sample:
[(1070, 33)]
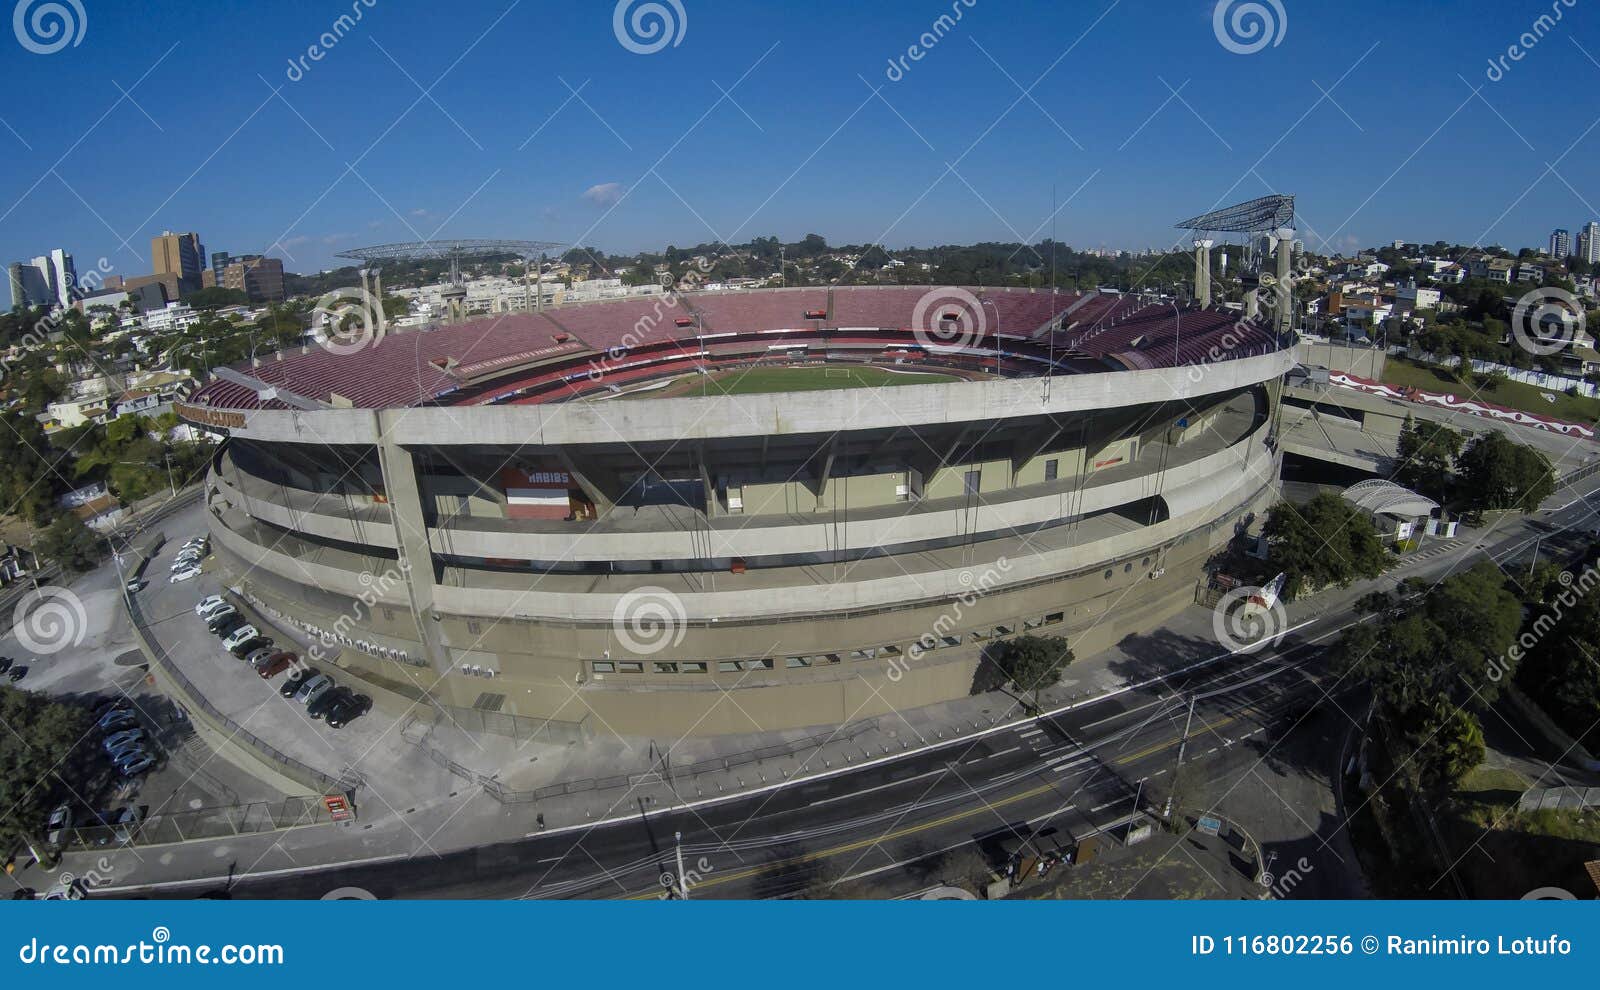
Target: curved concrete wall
[(755, 538), (1246, 469), (652, 420)]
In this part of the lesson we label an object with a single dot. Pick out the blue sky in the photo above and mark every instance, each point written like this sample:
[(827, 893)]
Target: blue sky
[(353, 153)]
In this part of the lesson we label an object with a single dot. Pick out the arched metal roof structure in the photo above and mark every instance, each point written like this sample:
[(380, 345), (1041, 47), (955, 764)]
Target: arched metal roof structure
[(1377, 495)]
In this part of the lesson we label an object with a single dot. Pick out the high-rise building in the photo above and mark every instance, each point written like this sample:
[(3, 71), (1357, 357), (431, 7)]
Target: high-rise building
[(260, 279), (177, 260), (1560, 243), (220, 260), (1589, 242), (48, 280)]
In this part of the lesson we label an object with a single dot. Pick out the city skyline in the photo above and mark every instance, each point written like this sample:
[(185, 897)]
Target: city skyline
[(285, 160)]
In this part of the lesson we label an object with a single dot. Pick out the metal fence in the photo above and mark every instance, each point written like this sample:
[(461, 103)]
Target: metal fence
[(198, 706), (205, 823)]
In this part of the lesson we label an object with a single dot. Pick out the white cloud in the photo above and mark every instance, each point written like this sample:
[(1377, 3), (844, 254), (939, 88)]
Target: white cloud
[(604, 194)]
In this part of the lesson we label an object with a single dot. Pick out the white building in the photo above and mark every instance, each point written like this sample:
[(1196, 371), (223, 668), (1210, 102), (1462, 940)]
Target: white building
[(174, 316), (1411, 297), (1589, 242)]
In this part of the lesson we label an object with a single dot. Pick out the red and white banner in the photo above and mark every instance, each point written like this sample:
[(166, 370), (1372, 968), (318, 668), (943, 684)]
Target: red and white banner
[(533, 494), (1476, 407)]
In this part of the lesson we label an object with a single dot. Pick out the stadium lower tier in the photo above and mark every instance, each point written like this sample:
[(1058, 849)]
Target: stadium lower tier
[(737, 564)]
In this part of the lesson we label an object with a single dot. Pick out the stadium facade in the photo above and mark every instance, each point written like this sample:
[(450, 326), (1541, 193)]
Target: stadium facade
[(569, 522)]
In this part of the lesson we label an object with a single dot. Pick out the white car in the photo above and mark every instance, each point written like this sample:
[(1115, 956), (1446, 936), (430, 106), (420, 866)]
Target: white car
[(58, 825), (210, 604), (184, 575), (183, 563), (242, 634)]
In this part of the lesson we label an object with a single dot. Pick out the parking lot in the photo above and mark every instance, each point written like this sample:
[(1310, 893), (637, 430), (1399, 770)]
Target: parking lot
[(398, 775)]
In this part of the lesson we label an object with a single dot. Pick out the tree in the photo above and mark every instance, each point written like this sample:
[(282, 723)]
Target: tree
[(1427, 453), (1325, 542), (70, 543), (1455, 642), (1498, 473), (1444, 743), (1033, 663), (216, 298), (37, 746)]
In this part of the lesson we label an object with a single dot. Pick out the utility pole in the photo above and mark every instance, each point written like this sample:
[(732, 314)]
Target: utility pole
[(683, 881), (1182, 745)]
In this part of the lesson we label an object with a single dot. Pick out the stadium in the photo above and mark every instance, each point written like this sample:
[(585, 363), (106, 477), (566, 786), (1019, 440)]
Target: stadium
[(727, 512)]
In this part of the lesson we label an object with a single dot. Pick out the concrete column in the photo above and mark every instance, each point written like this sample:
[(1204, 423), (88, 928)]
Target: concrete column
[(1284, 288), (1202, 272), (404, 493), (380, 322)]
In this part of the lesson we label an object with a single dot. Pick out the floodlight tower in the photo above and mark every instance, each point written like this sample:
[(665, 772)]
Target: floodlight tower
[(1269, 214), (455, 291)]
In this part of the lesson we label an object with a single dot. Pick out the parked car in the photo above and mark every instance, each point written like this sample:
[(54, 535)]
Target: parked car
[(17, 674), (58, 825), (222, 616), (127, 750), (136, 764), (296, 681), (109, 703), (246, 647), (117, 740), (260, 655), (183, 560), (313, 689), (211, 603), (135, 585), (116, 718), (187, 574), (239, 635), (5, 664), (327, 701), (66, 890), (348, 711), (276, 664), (126, 823)]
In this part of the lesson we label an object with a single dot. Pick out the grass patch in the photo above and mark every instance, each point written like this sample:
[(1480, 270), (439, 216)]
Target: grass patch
[(1516, 395)]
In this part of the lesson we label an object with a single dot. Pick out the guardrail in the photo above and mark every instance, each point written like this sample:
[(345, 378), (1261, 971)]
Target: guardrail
[(198, 706), (205, 823)]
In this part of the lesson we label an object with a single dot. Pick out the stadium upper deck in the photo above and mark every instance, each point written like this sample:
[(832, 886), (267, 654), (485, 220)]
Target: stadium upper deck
[(565, 353)]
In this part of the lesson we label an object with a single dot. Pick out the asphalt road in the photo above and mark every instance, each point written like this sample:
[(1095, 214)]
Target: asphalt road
[(1042, 786)]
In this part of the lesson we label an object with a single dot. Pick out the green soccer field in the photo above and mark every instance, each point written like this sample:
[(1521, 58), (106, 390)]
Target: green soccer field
[(806, 379)]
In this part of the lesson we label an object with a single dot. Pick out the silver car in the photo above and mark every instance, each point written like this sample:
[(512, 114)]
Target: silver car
[(313, 689)]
